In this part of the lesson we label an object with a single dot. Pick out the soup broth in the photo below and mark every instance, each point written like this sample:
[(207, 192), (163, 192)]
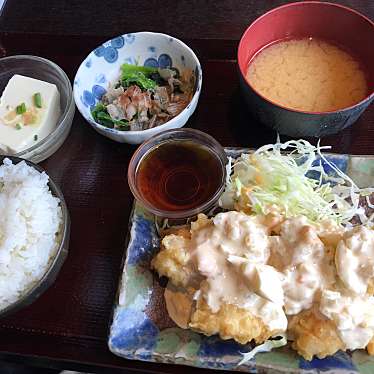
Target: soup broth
[(309, 75)]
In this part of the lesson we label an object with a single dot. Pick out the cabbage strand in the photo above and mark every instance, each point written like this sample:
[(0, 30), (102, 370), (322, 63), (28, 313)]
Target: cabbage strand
[(291, 178)]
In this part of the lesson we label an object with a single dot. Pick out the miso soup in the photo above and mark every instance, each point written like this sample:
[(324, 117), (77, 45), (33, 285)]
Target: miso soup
[(309, 75)]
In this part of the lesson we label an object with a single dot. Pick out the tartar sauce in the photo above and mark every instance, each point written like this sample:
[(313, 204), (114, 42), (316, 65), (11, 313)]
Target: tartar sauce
[(276, 267), (355, 259)]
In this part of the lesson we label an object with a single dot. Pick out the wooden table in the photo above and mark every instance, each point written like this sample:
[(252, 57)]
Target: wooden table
[(67, 327)]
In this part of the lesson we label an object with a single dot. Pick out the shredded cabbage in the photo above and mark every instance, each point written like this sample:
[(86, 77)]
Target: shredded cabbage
[(280, 176), (267, 346)]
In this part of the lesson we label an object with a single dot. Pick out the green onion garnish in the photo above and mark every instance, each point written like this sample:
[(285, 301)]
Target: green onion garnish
[(38, 100), (20, 109), (18, 126), (35, 137)]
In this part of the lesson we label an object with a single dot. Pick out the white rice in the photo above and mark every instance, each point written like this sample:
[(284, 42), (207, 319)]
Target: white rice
[(30, 218)]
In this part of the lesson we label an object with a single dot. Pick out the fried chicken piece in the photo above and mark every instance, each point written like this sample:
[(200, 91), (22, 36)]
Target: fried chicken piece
[(183, 231), (314, 335), (179, 304), (202, 221), (370, 347), (230, 322), (173, 261)]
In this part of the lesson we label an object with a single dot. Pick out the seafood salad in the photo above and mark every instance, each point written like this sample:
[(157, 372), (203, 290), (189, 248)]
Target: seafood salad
[(281, 262), (144, 97)]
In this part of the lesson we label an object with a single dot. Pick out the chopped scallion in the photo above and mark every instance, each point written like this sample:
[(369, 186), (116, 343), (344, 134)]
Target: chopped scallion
[(18, 126), (35, 137), (20, 109), (38, 100)]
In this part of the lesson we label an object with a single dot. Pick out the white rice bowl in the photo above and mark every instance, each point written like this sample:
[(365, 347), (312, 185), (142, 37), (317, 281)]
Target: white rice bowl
[(30, 219)]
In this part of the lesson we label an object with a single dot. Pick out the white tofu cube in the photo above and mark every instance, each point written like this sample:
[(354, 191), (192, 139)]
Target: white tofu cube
[(15, 133)]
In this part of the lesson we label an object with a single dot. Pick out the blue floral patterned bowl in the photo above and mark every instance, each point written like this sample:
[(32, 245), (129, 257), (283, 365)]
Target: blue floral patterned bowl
[(102, 66)]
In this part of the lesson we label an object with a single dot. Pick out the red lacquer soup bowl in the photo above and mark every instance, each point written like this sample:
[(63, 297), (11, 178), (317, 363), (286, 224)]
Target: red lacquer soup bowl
[(333, 23)]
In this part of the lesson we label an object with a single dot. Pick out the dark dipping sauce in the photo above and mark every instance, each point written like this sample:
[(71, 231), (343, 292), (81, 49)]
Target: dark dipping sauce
[(179, 175)]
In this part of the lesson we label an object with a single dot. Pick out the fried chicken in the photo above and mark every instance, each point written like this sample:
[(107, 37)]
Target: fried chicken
[(314, 332), (230, 322), (173, 259), (314, 335)]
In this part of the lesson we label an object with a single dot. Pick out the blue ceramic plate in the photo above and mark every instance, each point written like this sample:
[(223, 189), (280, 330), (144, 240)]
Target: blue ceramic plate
[(142, 330)]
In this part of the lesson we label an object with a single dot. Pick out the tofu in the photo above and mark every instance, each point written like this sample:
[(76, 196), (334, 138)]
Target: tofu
[(17, 131)]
